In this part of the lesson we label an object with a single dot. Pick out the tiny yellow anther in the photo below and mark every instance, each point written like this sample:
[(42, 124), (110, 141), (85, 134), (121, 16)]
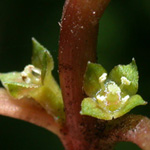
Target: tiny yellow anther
[(103, 77), (125, 98), (125, 81), (101, 98)]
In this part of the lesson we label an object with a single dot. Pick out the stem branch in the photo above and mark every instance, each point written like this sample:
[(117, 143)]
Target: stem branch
[(27, 110)]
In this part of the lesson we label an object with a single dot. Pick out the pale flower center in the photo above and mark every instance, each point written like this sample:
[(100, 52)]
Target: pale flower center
[(110, 94)]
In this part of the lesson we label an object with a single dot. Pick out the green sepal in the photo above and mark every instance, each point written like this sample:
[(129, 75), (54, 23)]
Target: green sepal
[(110, 97), (130, 72), (91, 83), (11, 77), (133, 101), (41, 58), (50, 97), (20, 90), (16, 86), (91, 108), (49, 94)]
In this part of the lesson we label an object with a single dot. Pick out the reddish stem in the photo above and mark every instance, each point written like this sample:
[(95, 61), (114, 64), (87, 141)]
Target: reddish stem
[(133, 128), (27, 110), (78, 40)]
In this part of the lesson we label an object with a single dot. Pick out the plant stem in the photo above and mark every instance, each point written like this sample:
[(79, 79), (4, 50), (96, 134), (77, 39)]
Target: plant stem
[(27, 110), (78, 40), (133, 128)]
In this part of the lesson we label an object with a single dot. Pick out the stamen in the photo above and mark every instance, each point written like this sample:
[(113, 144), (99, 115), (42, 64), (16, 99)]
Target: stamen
[(31, 74), (125, 98), (103, 77), (27, 80), (125, 81), (28, 68), (36, 72), (101, 98)]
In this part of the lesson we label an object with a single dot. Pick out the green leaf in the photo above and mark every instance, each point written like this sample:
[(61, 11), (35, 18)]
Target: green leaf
[(91, 83), (134, 101), (41, 58), (91, 108), (130, 73)]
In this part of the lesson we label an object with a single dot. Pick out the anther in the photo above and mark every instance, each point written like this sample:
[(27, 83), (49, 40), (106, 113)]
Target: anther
[(100, 98), (103, 77), (125, 81), (125, 98)]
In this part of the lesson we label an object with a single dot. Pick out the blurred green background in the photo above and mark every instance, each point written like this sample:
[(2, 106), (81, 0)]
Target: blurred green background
[(124, 33)]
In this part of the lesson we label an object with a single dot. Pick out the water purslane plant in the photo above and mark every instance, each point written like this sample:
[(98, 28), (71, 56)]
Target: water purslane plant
[(87, 110)]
